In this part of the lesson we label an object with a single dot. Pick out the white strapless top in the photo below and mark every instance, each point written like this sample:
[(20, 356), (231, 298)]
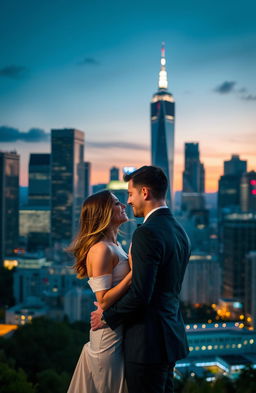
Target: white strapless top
[(108, 281)]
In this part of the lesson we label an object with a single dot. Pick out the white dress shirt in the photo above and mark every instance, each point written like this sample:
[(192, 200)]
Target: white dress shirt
[(153, 210)]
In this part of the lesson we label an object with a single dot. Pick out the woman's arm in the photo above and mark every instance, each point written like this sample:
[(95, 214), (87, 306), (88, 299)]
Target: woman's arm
[(109, 297), (101, 260)]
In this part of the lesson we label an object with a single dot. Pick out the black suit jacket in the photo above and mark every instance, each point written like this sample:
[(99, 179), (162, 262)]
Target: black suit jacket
[(150, 310)]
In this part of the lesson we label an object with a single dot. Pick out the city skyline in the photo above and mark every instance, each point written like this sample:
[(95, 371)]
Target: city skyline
[(69, 65)]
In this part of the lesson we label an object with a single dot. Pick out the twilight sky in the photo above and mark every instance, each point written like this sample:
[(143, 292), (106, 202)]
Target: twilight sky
[(93, 65)]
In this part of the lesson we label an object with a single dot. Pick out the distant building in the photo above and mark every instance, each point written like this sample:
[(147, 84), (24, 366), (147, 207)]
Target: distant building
[(98, 187), (78, 304), (162, 127), (229, 184), (237, 239), (202, 280), (23, 313), (235, 166), (114, 173), (67, 184), (34, 225), (223, 348), (87, 179), (250, 285), (9, 203), (248, 192), (39, 180), (49, 283), (193, 174)]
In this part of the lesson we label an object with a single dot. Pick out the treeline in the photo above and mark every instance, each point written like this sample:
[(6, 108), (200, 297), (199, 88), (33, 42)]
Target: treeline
[(41, 357)]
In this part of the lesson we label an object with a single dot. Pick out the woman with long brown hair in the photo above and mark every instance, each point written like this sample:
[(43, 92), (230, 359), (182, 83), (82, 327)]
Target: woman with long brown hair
[(100, 257)]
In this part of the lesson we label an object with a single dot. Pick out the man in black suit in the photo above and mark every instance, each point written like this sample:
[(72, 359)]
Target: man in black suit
[(150, 311)]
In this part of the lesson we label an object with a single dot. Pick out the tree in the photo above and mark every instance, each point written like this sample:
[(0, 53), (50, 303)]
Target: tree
[(12, 381), (246, 382), (49, 381)]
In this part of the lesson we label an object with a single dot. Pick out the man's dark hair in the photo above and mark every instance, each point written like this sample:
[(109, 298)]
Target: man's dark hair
[(151, 177)]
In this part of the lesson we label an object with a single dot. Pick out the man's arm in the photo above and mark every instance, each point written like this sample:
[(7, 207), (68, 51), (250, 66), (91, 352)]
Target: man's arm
[(146, 255)]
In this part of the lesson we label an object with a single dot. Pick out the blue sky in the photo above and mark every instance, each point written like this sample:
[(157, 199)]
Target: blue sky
[(94, 65)]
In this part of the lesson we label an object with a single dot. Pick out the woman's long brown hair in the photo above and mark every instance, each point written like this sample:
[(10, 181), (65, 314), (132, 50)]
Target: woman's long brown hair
[(95, 220)]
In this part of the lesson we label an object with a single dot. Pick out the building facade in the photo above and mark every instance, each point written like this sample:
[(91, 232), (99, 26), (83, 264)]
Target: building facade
[(237, 238), (67, 184), (39, 180)]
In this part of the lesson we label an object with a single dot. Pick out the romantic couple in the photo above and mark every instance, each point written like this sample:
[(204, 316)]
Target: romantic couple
[(137, 330)]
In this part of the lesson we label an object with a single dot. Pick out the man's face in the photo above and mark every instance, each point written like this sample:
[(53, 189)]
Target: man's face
[(136, 199)]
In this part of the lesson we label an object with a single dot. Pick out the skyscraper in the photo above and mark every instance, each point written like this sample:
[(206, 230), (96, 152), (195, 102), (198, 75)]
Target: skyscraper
[(9, 203), (193, 179), (235, 166), (39, 180), (193, 175), (162, 127), (248, 192), (229, 184), (237, 237), (67, 183)]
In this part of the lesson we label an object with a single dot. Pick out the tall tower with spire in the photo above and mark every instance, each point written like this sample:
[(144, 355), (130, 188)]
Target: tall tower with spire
[(162, 127)]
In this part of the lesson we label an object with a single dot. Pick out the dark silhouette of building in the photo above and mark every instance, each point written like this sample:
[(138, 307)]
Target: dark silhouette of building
[(235, 166), (67, 184), (87, 179), (237, 238), (229, 189), (162, 127), (39, 180), (194, 174), (192, 199), (114, 173), (248, 192), (9, 203)]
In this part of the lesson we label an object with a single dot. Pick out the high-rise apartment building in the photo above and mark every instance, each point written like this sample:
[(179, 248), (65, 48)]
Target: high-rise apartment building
[(39, 180), (9, 203), (162, 127), (67, 183), (237, 238)]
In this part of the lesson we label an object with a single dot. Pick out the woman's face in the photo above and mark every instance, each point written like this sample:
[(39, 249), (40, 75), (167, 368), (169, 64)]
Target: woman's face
[(119, 215)]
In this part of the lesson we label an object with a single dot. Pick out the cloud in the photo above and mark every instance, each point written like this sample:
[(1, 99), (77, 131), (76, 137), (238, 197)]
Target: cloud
[(10, 134), (118, 145), (13, 72), (89, 61), (249, 97), (225, 87)]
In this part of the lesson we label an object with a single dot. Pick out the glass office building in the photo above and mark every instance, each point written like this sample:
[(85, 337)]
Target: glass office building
[(162, 127)]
